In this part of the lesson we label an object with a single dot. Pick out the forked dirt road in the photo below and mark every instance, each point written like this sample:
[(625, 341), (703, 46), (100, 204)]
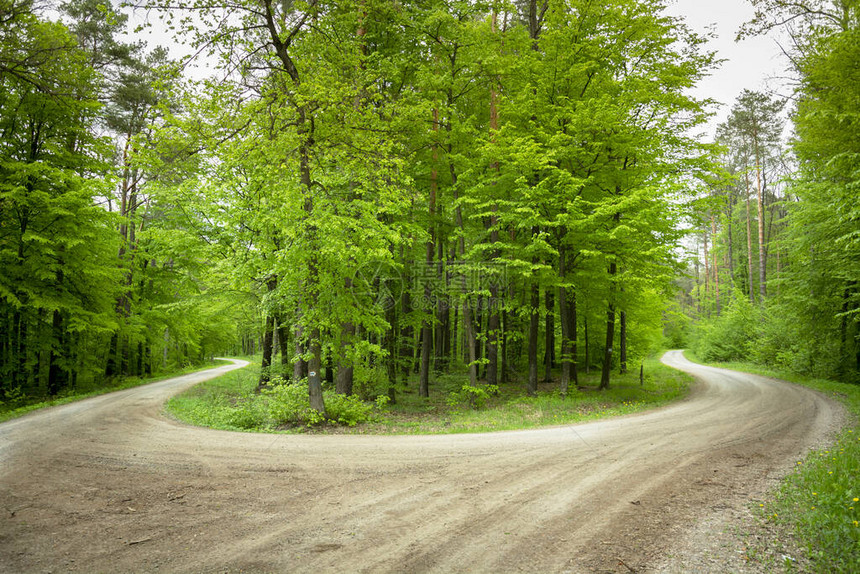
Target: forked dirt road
[(111, 485)]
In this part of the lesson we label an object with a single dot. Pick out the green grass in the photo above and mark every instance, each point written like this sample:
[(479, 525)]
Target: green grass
[(17, 409), (820, 500), (226, 403), (230, 403)]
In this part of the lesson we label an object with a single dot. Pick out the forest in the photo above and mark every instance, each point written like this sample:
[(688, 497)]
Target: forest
[(368, 194)]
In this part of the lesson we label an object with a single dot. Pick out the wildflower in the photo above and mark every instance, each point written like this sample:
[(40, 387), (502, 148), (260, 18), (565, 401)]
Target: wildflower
[(814, 494), (856, 499), (856, 523)]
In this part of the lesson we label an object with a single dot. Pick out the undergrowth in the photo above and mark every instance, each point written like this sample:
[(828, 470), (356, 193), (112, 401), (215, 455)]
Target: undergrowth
[(820, 499), (230, 402)]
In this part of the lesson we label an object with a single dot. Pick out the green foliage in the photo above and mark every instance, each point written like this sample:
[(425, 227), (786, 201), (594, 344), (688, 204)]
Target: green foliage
[(809, 313), (349, 410), (730, 336), (677, 327), (288, 404), (370, 381), (473, 397)]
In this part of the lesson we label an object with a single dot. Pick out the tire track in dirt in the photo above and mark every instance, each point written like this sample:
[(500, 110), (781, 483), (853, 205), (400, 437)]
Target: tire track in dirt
[(110, 485)]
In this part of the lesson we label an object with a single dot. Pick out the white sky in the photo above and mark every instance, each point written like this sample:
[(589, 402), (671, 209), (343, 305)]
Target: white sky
[(754, 63)]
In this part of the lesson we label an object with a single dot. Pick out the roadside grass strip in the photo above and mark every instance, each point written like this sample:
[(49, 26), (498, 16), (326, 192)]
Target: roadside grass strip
[(820, 499), (230, 403)]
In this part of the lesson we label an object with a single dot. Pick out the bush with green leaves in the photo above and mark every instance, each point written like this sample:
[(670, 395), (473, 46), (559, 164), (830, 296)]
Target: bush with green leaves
[(347, 410), (474, 397), (288, 404), (731, 335)]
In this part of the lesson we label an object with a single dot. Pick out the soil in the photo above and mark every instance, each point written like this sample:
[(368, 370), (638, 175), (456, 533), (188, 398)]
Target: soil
[(110, 484)]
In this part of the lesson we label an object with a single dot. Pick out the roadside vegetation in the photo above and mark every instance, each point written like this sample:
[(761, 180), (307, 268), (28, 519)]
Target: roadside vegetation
[(15, 404), (820, 500), (231, 403)]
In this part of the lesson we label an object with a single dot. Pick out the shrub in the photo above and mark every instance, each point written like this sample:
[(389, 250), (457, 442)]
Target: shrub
[(369, 381), (730, 336), (288, 403), (347, 410), (475, 397)]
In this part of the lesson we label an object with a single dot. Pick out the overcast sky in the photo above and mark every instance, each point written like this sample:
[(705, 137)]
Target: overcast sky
[(754, 63)]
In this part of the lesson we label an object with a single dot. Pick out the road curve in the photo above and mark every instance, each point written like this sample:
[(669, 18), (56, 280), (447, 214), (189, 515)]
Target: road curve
[(111, 485)]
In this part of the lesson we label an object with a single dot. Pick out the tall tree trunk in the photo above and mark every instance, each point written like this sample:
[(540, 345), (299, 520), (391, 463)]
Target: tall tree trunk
[(315, 396), (549, 336), (300, 367), (493, 320), (390, 345), (573, 333), (305, 131), (504, 347), (730, 225), (622, 335), (268, 341), (57, 374), (440, 359), (715, 266), (587, 346), (407, 337), (493, 328), (265, 365), (566, 351), (284, 341), (534, 324), (534, 32), (762, 273), (345, 369), (707, 274), (751, 291), (610, 330), (468, 325), (427, 326)]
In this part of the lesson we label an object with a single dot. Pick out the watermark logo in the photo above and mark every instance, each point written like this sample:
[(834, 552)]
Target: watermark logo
[(378, 283), (382, 284)]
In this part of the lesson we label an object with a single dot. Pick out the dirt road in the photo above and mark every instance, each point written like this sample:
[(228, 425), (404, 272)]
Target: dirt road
[(111, 485)]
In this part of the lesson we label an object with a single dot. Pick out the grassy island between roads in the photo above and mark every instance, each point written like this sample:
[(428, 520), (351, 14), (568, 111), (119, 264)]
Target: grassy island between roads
[(231, 403)]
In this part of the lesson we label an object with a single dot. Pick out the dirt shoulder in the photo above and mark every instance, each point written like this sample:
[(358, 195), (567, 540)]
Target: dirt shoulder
[(111, 485)]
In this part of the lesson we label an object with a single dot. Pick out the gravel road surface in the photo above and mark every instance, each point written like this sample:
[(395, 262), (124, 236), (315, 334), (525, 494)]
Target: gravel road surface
[(110, 484)]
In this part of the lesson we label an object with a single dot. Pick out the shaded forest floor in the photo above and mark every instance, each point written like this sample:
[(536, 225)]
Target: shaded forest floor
[(230, 403)]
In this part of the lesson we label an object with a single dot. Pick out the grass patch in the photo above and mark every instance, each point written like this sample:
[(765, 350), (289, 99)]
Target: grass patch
[(820, 500), (230, 403), (24, 405)]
